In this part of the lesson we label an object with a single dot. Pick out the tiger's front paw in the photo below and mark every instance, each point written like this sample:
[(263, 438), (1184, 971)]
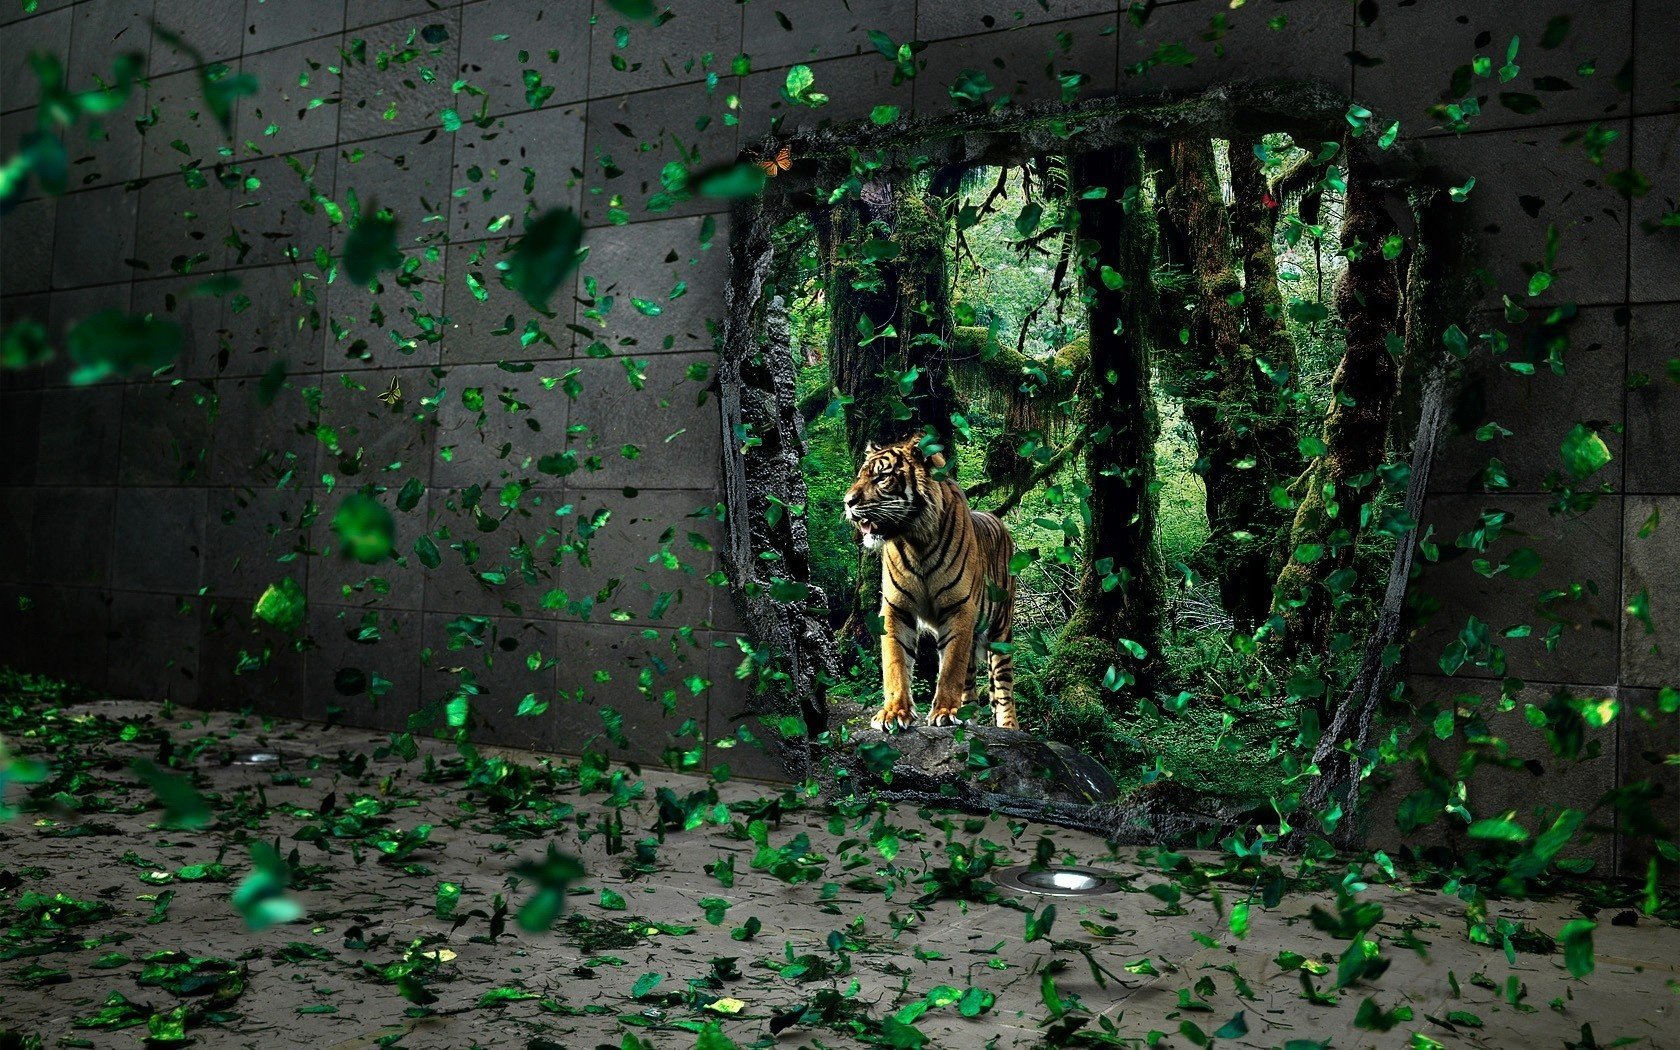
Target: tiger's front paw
[(893, 717), (946, 718)]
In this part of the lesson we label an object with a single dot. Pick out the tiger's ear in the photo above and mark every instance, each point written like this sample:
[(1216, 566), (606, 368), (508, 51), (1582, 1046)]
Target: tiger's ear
[(870, 448)]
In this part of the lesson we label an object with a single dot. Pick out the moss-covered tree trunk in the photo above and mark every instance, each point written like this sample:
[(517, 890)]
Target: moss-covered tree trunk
[(1229, 401), (1254, 214), (1119, 590), (1337, 489), (888, 286)]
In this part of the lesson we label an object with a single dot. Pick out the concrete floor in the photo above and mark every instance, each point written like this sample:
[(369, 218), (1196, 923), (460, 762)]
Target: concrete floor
[(855, 940)]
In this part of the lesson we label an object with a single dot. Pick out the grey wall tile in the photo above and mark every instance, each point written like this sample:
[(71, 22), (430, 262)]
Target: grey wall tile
[(803, 31), (279, 216), (613, 551), (17, 520), (206, 26), (407, 174), (192, 306), (276, 317), (26, 238), (405, 81), (1651, 553), (1401, 87), (154, 647), (520, 166), (1575, 593), (520, 421), (1536, 797), (356, 646), (1654, 261), (397, 321), (603, 672), (184, 223), (185, 131), (1036, 62), (1656, 42), (255, 537), (159, 543), (702, 39), (47, 33), (95, 238), (1526, 181), (633, 137), (276, 23), (101, 31), (20, 429), (165, 433), (1587, 382), (261, 444), (666, 266), (1647, 736), (665, 435), (70, 537), (1653, 400), (298, 97), (80, 428), (496, 33), (495, 327), (497, 653), (855, 86), (946, 20)]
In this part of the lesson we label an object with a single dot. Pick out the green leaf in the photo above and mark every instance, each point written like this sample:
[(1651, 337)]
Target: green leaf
[(261, 898), (545, 256), (183, 807), (641, 9), (371, 248), (365, 529), (800, 79), (1037, 926), (1577, 940), (1498, 830), (114, 342), (1584, 452), (552, 876), (282, 605)]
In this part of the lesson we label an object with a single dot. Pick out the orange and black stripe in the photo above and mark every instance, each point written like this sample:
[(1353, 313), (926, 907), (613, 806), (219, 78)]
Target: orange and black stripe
[(944, 572)]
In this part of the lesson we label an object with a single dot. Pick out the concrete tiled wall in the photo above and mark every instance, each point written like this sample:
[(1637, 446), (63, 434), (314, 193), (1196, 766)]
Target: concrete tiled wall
[(141, 530)]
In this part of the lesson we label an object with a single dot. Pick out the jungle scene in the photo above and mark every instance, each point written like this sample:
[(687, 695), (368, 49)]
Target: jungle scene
[(1171, 371)]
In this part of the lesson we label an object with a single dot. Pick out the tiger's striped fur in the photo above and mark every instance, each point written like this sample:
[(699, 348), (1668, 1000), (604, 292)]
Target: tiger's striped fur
[(945, 572)]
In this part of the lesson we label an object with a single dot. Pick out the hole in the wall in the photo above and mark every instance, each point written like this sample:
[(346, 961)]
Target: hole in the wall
[(1133, 338)]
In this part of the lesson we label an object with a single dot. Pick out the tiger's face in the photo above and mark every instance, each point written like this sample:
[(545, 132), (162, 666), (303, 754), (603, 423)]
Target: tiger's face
[(891, 490)]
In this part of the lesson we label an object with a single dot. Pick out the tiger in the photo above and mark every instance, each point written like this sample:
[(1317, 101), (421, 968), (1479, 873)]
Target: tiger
[(945, 571)]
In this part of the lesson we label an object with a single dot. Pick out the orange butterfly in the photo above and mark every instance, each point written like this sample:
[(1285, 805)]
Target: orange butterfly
[(773, 166)]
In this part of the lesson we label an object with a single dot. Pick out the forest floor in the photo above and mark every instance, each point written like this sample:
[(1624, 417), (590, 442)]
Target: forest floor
[(113, 928)]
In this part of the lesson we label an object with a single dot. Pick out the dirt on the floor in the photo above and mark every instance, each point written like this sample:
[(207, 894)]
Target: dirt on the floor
[(313, 887)]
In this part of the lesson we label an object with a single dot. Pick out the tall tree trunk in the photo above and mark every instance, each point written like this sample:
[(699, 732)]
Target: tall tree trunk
[(868, 290), (1254, 215), (1223, 400), (1338, 487), (1119, 590)]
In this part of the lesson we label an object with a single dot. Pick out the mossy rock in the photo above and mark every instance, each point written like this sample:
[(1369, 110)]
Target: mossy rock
[(975, 762)]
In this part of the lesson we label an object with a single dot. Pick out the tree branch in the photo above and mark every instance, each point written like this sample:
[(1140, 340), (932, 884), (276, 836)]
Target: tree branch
[(1050, 469)]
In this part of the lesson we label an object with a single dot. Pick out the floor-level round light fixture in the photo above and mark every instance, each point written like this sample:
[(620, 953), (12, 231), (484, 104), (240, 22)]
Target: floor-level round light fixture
[(1067, 880), (257, 757)]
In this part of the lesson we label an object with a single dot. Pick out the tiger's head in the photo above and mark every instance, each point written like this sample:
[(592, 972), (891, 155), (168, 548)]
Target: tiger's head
[(892, 489)]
